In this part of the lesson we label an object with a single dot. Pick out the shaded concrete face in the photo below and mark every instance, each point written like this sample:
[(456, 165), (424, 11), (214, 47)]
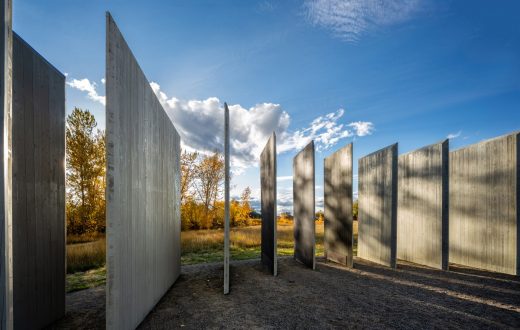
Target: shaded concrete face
[(268, 201), (143, 194), (6, 274), (38, 189), (484, 183), (338, 206), (303, 203), (422, 220), (227, 178), (377, 214)]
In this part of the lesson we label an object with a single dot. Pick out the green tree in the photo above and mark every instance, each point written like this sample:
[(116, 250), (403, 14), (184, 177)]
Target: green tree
[(85, 173)]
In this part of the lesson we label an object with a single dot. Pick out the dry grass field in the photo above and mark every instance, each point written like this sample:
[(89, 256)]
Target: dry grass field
[(86, 258)]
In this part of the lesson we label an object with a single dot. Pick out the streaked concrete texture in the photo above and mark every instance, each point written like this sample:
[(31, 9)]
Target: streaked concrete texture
[(6, 274), (38, 189), (303, 204), (227, 178), (484, 198), (377, 214), (268, 207), (143, 190), (338, 206), (422, 218)]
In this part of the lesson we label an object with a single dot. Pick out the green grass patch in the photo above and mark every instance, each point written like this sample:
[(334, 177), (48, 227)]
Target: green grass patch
[(85, 280)]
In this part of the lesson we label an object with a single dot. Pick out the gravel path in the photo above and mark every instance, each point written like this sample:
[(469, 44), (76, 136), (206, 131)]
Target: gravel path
[(368, 296)]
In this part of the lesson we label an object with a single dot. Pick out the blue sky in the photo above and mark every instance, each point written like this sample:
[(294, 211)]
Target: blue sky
[(409, 71)]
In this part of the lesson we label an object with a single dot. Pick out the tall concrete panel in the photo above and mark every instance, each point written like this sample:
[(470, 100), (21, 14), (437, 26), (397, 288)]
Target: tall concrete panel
[(484, 199), (6, 274), (303, 203), (38, 189), (143, 190), (268, 201), (338, 206), (226, 199), (377, 214), (422, 220)]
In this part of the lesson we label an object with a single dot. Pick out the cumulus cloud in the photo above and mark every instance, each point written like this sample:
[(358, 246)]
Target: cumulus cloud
[(284, 178), (362, 128), (454, 135), (201, 126), (350, 19), (85, 85)]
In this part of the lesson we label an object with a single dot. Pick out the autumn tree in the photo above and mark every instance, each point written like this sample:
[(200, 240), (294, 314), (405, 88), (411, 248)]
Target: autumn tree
[(188, 172), (85, 173), (209, 181)]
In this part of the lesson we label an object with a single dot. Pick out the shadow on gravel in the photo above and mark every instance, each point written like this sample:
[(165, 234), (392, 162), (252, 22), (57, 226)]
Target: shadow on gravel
[(367, 296)]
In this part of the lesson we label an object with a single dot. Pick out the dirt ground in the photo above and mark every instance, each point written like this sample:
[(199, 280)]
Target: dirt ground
[(368, 296)]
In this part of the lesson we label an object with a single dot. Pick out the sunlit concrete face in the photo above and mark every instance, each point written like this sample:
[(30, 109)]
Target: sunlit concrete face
[(38, 151), (6, 274), (338, 206), (422, 219), (143, 195), (303, 203), (268, 201), (377, 214), (484, 186)]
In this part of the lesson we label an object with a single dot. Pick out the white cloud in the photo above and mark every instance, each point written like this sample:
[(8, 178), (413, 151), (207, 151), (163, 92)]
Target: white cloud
[(284, 178), (85, 85), (349, 19), (362, 128), (454, 135), (201, 126), (103, 81)]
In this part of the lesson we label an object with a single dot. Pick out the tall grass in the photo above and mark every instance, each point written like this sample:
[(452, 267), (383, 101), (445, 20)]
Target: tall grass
[(85, 256), (207, 245)]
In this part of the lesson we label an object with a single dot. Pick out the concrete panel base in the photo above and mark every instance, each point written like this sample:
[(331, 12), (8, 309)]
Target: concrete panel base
[(338, 206), (484, 200), (377, 218), (143, 190), (303, 195), (268, 201), (422, 220)]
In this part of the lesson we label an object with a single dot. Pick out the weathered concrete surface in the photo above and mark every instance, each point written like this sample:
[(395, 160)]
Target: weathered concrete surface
[(338, 206), (143, 190), (6, 274), (303, 203), (38, 189), (484, 199), (268, 201), (226, 199), (422, 219), (377, 213)]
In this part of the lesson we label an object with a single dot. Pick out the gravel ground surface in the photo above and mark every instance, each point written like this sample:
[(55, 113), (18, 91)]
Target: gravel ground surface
[(368, 296)]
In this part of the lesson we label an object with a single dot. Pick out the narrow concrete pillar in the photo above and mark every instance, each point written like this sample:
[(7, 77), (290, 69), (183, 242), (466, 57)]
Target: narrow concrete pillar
[(422, 220), (377, 219), (338, 206), (6, 274), (226, 199), (268, 201), (484, 200), (304, 210)]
